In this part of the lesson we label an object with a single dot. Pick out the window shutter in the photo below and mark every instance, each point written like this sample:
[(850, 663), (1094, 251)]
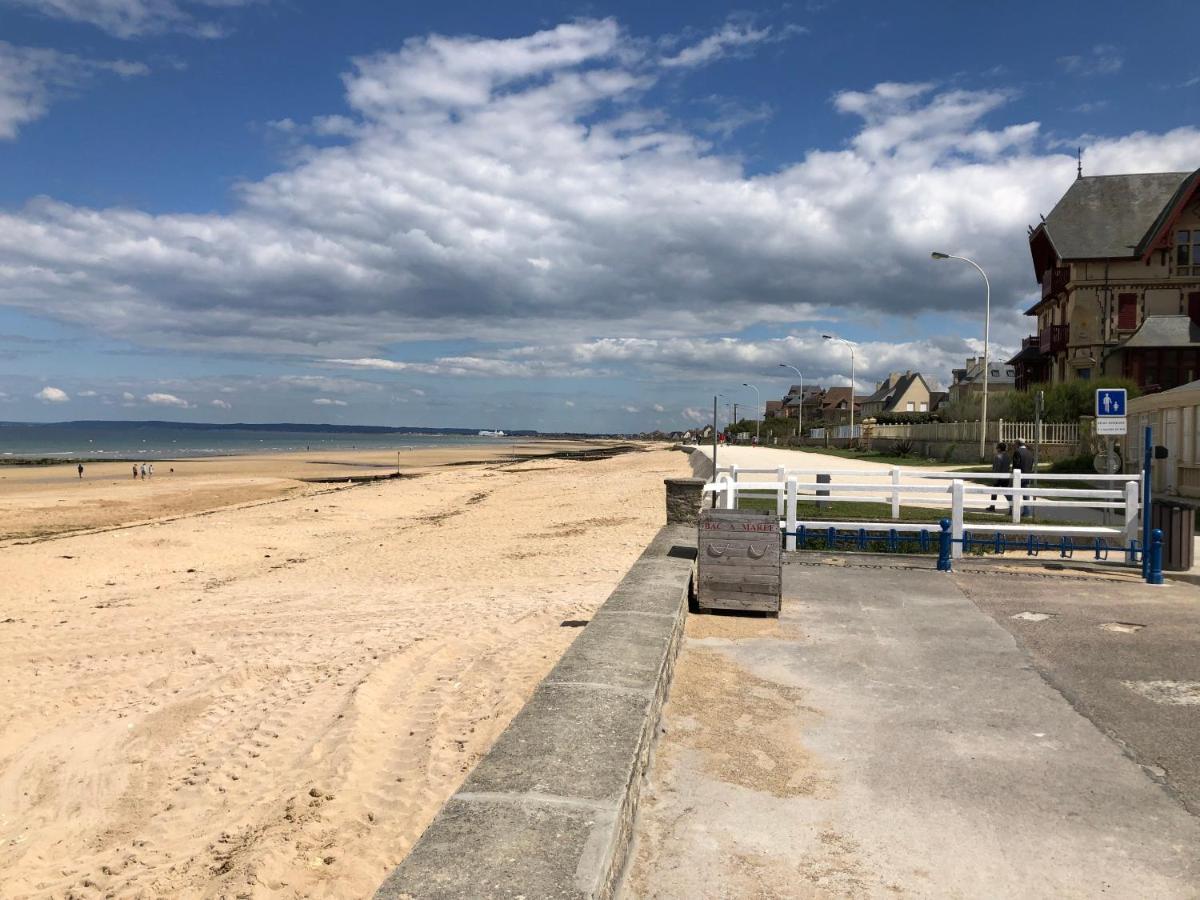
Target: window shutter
[(1126, 312)]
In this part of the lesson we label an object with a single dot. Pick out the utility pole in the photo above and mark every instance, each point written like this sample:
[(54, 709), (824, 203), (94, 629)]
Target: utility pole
[(714, 474), (800, 408), (758, 412)]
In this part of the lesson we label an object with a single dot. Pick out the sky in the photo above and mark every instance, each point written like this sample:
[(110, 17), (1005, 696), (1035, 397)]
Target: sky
[(567, 217)]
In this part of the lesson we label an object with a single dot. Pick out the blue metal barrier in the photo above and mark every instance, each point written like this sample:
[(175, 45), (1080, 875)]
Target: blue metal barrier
[(1155, 575), (944, 540), (861, 539)]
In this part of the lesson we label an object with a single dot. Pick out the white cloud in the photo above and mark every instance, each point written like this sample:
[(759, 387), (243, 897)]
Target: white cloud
[(160, 399), (417, 391), (326, 401), (1102, 59), (569, 403), (52, 395), (730, 38), (220, 404), (85, 394), (658, 407), (128, 397), (31, 78), (630, 409), (703, 359), (134, 18), (694, 415), (475, 157)]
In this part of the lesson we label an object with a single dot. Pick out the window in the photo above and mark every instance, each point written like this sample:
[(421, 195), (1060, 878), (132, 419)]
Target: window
[(1187, 252), (1126, 312), (995, 373), (910, 407), (1193, 307), (924, 407), (1085, 374)]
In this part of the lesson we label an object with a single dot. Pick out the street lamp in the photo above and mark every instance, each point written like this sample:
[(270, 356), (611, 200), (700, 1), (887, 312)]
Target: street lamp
[(800, 408), (757, 412), (850, 344), (987, 324)]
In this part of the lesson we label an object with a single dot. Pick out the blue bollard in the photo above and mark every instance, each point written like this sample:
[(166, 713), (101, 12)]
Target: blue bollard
[(1155, 575), (943, 563)]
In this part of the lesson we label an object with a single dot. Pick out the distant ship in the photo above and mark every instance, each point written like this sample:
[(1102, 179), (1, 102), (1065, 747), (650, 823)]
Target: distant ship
[(491, 434)]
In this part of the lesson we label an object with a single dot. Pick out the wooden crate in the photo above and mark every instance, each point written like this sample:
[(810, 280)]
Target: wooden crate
[(739, 564)]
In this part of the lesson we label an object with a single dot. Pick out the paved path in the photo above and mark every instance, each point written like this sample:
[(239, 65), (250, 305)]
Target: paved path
[(887, 738)]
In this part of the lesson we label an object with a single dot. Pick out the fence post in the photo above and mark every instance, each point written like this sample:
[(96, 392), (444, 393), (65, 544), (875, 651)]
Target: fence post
[(790, 542), (895, 492), (730, 494), (956, 513), (1155, 575), (781, 477), (1131, 517), (733, 472), (944, 546), (1016, 497)]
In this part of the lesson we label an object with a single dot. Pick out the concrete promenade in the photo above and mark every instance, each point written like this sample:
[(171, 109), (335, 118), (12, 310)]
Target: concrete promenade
[(887, 737)]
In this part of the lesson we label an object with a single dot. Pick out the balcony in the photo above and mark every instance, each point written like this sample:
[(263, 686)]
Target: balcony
[(1054, 338), (1054, 280)]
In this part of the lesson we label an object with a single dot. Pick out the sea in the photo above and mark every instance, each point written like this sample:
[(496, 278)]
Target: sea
[(166, 440)]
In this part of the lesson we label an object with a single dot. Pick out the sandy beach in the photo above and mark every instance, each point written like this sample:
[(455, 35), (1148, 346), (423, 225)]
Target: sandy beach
[(269, 686)]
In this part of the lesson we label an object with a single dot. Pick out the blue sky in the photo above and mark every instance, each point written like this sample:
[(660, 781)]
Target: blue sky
[(557, 216)]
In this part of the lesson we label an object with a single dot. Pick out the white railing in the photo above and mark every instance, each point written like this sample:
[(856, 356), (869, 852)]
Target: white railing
[(953, 492), (837, 432), (968, 432), (1051, 432)]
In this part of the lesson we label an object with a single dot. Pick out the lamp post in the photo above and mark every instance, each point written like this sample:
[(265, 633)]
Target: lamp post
[(800, 408), (987, 324), (757, 411), (850, 344)]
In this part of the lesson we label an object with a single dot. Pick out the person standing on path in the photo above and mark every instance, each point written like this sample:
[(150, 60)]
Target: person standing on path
[(1023, 460), (81, 471), (1002, 463)]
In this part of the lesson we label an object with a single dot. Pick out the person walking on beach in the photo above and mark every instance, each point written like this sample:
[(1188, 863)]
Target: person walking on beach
[(1001, 463), (143, 471), (151, 470), (135, 470), (1023, 460), (81, 471)]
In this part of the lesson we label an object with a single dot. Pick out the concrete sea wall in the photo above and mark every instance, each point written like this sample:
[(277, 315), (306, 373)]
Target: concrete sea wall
[(549, 811)]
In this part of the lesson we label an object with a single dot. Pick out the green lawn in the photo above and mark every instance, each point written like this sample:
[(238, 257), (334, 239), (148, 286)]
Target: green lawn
[(885, 459), (849, 511)]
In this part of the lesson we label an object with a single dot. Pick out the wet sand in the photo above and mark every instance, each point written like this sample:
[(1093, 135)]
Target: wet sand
[(40, 501), (272, 699)]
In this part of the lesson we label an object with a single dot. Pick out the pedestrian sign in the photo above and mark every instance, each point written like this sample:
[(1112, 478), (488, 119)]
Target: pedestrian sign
[(1110, 403), (1110, 411)]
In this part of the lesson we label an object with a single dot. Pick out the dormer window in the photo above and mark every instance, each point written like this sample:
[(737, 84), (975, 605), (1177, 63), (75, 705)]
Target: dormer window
[(1187, 252)]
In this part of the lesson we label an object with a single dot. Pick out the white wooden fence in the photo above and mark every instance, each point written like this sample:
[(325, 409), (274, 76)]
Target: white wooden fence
[(953, 492), (968, 432)]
